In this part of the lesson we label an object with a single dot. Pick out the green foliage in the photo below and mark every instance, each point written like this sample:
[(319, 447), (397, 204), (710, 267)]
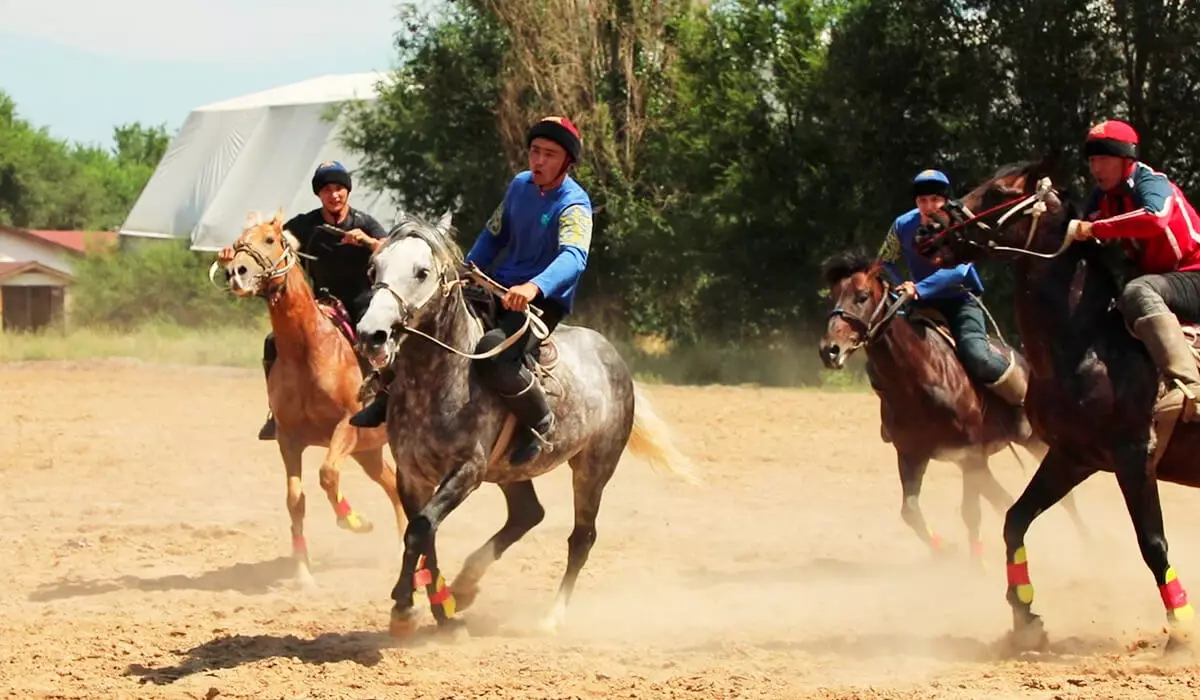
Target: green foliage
[(161, 282), (48, 183)]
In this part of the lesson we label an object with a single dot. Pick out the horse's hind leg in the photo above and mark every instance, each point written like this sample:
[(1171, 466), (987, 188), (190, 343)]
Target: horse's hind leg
[(590, 474), (1140, 489), (912, 474), (1054, 478), (378, 470), (524, 514), (341, 445), (980, 483), (292, 453)]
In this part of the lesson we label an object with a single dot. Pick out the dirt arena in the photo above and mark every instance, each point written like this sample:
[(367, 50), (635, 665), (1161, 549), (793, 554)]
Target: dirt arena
[(144, 543)]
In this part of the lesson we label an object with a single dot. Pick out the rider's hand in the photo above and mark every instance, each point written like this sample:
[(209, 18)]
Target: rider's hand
[(907, 288), (1079, 229), (519, 296), (225, 255), (358, 237)]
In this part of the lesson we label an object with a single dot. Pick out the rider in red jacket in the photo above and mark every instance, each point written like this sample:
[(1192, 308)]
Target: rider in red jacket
[(1160, 231)]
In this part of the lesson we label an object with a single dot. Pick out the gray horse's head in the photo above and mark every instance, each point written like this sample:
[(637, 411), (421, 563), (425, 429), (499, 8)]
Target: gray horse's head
[(410, 273)]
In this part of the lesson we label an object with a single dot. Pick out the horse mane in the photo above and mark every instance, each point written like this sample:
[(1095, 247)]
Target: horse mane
[(442, 242), (839, 266)]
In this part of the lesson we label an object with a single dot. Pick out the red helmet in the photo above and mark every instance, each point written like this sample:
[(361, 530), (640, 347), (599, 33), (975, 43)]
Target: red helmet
[(559, 130), (1111, 138)]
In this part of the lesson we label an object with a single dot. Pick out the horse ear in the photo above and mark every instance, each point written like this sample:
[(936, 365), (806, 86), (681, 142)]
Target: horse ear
[(253, 218), (277, 220), (1046, 166), (443, 223)]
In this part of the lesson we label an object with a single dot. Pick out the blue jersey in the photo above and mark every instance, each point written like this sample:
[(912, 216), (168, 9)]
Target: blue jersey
[(547, 236), (931, 282)]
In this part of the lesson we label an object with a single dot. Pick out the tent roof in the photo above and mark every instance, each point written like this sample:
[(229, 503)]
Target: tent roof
[(253, 153), (327, 88)]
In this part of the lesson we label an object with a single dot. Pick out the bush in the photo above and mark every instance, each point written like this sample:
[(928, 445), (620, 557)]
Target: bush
[(160, 282)]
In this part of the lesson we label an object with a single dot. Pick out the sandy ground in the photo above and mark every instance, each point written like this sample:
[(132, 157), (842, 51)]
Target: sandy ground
[(144, 539)]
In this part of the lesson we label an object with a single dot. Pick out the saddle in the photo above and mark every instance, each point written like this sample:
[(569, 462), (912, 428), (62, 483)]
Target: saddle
[(485, 304), (936, 320), (335, 311)]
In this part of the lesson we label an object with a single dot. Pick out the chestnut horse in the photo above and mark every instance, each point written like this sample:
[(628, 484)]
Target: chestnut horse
[(930, 408), (1093, 387), (314, 384)]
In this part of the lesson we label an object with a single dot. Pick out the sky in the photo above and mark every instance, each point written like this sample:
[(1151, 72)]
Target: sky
[(82, 67)]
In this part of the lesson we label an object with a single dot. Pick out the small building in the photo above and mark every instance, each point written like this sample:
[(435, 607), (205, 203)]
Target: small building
[(36, 271)]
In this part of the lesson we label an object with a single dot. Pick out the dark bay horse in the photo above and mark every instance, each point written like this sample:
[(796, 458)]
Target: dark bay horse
[(313, 386), (1093, 387), (449, 431), (930, 408)]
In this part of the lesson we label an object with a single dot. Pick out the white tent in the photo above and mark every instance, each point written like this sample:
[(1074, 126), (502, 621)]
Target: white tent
[(252, 153)]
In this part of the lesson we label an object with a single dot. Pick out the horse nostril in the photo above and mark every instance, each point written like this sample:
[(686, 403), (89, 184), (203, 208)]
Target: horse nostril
[(832, 350), (379, 337), (241, 269)]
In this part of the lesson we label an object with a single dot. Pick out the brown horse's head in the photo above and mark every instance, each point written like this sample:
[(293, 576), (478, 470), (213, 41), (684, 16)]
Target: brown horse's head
[(262, 257), (1017, 208), (857, 292)]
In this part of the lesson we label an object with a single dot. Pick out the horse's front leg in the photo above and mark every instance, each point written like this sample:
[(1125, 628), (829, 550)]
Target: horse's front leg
[(419, 566), (341, 444), (1140, 489)]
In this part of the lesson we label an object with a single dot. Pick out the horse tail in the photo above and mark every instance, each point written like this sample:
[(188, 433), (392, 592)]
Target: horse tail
[(651, 439)]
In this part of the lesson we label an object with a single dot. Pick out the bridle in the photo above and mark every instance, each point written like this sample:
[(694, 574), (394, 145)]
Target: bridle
[(868, 329), (1033, 205), (269, 271)]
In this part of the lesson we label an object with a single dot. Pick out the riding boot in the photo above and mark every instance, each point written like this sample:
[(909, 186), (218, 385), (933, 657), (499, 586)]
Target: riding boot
[(267, 431), (1011, 386), (536, 418), (374, 412), (1172, 353)]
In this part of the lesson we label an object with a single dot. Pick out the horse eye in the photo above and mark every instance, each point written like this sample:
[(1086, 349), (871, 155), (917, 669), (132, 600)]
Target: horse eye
[(270, 240), (862, 297), (422, 274)]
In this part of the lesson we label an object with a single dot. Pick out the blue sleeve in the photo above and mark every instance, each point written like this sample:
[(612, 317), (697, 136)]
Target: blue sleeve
[(948, 282), (1152, 190), (491, 240), (574, 240)]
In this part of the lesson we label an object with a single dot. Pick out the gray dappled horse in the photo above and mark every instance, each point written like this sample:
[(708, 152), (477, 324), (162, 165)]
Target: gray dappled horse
[(449, 432)]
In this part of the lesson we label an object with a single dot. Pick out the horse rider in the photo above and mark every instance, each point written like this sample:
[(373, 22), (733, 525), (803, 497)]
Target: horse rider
[(336, 263), (1160, 231), (945, 290), (545, 224)]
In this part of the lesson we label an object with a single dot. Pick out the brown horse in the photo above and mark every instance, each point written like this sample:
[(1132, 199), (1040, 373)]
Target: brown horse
[(1093, 388), (313, 387), (930, 408)]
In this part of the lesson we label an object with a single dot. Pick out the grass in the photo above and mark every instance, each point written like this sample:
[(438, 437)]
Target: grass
[(240, 345), (230, 346)]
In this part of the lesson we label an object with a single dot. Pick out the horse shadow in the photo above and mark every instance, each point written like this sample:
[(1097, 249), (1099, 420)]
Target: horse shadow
[(251, 578), (363, 648)]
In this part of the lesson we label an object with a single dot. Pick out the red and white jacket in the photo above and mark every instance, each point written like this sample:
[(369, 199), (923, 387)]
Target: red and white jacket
[(1157, 225)]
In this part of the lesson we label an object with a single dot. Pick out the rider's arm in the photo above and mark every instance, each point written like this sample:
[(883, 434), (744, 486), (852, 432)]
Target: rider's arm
[(889, 255), (491, 240), (950, 281), (574, 239), (373, 228), (1152, 193)]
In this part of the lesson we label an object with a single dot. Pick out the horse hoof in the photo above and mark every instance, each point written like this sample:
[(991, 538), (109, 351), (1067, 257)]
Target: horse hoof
[(453, 630), (304, 581), (1180, 643), (464, 595), (1029, 637), (403, 623), (355, 523)]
